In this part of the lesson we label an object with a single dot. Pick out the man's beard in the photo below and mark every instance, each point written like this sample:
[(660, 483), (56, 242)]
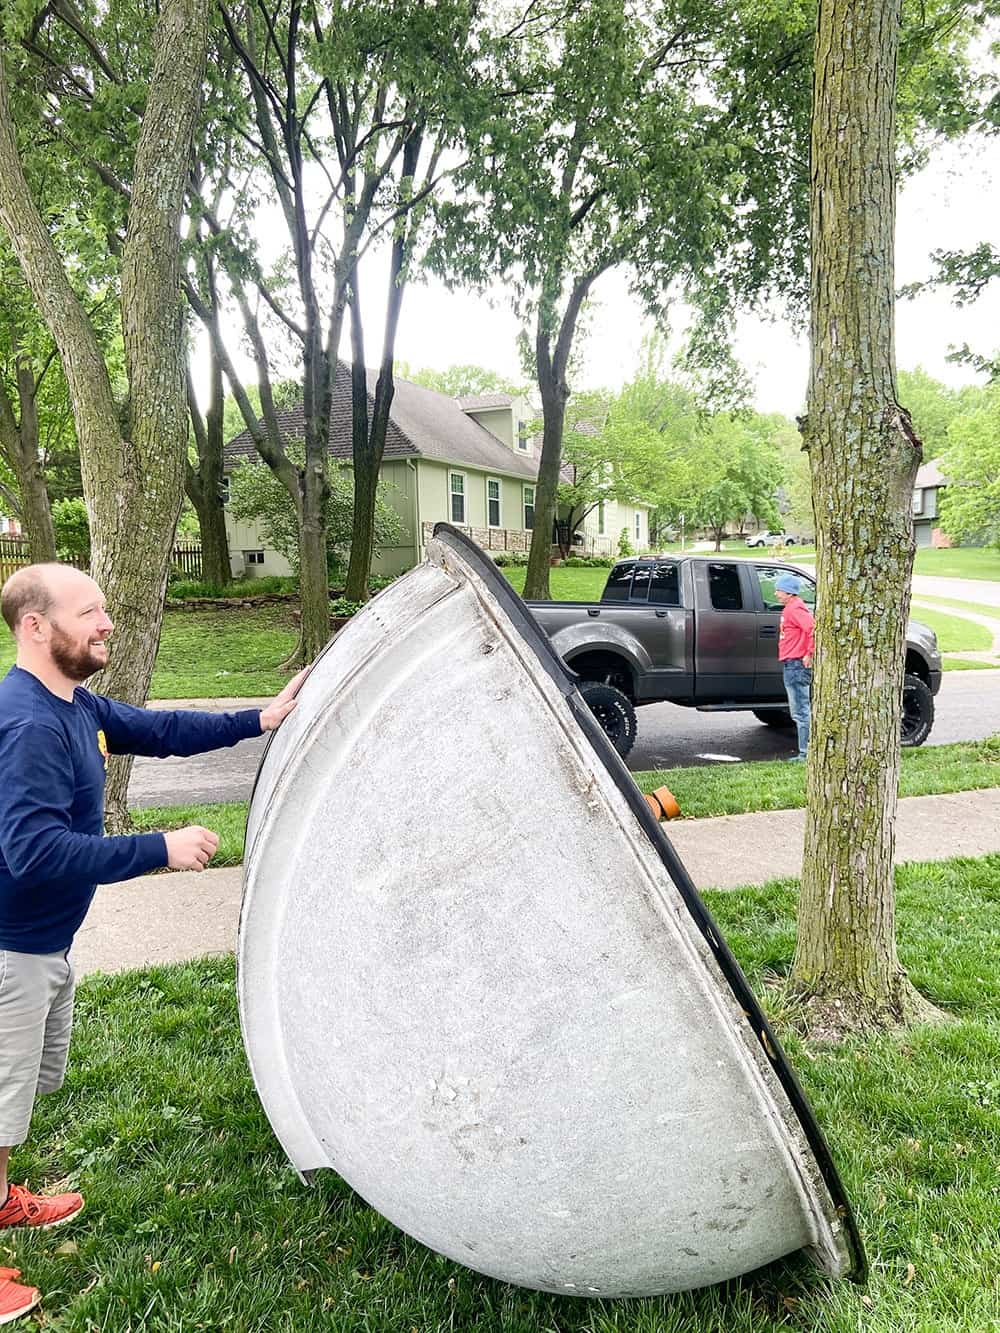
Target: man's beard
[(74, 662)]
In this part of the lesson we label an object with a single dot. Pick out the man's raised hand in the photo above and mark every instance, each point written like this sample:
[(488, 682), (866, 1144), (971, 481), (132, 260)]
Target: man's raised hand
[(278, 709), (191, 848)]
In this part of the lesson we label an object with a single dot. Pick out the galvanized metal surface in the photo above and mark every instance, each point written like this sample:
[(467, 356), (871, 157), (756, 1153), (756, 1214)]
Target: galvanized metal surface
[(470, 984)]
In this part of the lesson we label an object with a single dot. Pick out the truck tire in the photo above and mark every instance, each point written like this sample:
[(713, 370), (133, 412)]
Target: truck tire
[(918, 712), (775, 717), (613, 711)]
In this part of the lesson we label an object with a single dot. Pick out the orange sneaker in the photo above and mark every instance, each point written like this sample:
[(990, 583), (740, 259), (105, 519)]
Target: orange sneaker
[(15, 1300), (24, 1209)]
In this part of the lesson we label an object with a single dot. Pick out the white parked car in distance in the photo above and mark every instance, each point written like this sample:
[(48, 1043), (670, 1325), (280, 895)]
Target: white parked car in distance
[(775, 539)]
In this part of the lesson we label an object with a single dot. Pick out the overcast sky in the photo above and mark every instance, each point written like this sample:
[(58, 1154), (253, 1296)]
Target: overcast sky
[(952, 204)]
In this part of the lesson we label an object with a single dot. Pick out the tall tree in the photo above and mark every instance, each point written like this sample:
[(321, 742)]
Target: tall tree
[(21, 386), (663, 141), (349, 106), (864, 456), (133, 460)]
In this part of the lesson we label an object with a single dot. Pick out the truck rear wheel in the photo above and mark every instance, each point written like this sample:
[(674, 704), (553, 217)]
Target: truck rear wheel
[(613, 711), (775, 717), (918, 712)]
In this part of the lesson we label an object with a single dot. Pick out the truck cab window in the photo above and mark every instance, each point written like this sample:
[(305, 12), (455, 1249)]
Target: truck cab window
[(767, 575), (665, 587), (619, 582), (724, 587)]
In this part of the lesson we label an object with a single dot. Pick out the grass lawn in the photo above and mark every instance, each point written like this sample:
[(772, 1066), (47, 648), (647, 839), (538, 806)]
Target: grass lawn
[(960, 562), (954, 635), (213, 653), (717, 789), (194, 1221), (953, 604)]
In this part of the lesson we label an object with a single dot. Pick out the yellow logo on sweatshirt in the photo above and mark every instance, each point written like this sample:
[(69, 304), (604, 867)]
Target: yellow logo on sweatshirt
[(102, 745)]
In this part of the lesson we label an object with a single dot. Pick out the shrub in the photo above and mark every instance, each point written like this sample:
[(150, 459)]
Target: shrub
[(624, 545), (180, 587), (69, 518), (506, 559), (344, 607)]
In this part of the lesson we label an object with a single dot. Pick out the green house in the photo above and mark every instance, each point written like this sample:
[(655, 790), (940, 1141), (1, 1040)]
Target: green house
[(468, 461)]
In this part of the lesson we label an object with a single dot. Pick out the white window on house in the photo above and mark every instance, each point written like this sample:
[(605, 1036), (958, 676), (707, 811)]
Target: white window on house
[(493, 502), (638, 526), (522, 436), (529, 507), (456, 487), (253, 557), (600, 519), (918, 500)]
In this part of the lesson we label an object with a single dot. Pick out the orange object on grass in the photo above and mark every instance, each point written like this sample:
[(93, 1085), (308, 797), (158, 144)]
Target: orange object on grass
[(663, 803)]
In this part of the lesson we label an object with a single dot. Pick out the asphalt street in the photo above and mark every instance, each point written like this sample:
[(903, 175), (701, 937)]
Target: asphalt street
[(967, 708)]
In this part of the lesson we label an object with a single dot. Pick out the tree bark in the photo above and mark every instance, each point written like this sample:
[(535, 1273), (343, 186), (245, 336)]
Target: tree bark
[(552, 351), (863, 457), (19, 445), (132, 478), (204, 485)]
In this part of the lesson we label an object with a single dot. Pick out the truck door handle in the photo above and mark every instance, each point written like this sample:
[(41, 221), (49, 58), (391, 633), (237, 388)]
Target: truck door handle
[(768, 631), (661, 615), (593, 610)]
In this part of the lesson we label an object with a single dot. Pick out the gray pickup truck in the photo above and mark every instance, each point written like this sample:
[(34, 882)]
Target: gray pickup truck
[(702, 632)]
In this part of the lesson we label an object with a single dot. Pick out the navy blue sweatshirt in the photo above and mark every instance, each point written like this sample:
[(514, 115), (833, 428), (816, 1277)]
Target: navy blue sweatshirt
[(53, 756)]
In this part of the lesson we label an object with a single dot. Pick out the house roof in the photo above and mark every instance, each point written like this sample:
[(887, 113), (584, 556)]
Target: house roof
[(480, 402), (930, 475), (422, 424)]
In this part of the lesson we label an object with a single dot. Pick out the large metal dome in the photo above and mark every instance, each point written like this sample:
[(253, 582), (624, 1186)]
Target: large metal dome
[(476, 981)]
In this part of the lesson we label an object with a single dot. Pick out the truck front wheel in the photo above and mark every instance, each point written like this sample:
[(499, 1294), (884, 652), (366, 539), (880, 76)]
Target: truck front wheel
[(918, 712), (613, 711)]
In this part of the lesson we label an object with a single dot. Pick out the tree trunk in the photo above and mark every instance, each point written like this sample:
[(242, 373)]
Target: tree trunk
[(863, 458), (204, 487), (133, 485), (36, 512), (536, 582), (19, 443)]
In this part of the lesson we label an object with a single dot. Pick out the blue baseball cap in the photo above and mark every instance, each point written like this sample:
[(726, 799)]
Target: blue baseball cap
[(787, 583)]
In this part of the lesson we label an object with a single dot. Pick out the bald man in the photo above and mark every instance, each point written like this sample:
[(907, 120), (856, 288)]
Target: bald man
[(55, 738)]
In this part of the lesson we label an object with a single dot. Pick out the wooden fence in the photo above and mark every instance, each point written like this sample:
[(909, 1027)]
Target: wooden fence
[(185, 557)]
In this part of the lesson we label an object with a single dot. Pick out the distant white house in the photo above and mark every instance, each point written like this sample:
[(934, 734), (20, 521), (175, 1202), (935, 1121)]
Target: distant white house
[(470, 461), (9, 527), (927, 488)]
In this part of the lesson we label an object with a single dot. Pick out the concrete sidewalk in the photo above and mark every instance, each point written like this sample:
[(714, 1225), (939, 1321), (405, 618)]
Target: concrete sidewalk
[(170, 918)]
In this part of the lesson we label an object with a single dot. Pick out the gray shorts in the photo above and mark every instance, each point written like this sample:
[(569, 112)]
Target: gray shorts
[(36, 1017)]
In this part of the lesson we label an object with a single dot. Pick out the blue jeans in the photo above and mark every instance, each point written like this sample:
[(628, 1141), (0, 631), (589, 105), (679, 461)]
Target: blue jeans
[(798, 687)]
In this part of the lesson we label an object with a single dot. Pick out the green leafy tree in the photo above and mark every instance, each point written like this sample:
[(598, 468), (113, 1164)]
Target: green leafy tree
[(739, 473), (632, 139), (362, 100), (608, 455), (256, 496), (932, 405), (465, 381), (970, 503), (132, 450)]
